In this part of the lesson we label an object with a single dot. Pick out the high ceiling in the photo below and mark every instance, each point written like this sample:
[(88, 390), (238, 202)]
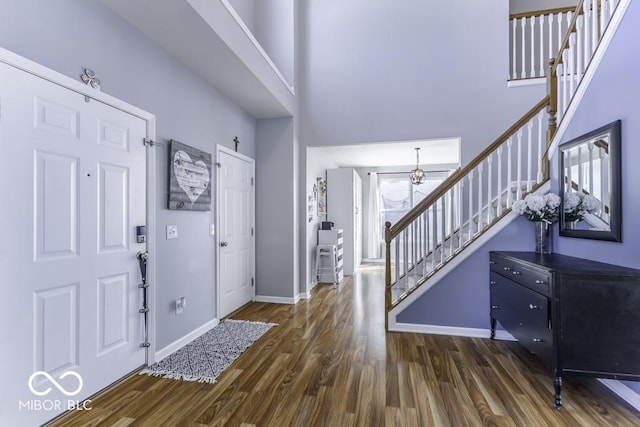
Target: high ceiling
[(401, 153)]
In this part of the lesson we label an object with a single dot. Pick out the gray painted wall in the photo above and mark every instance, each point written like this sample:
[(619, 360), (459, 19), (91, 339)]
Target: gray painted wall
[(391, 71), (274, 30), (68, 35), (276, 237), (246, 9)]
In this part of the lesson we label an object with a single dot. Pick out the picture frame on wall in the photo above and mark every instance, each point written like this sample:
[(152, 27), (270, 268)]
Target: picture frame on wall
[(322, 196), (189, 178)]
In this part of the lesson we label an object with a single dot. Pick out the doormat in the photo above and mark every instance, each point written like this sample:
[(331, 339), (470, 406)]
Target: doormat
[(204, 358)]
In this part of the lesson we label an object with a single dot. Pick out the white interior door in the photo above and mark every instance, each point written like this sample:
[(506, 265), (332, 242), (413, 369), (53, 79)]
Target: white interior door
[(73, 188), (235, 236)]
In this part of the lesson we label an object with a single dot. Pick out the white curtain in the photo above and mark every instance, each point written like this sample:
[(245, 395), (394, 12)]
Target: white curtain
[(374, 235)]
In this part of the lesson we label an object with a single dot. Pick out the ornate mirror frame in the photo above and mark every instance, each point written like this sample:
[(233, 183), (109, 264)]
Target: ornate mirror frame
[(595, 171)]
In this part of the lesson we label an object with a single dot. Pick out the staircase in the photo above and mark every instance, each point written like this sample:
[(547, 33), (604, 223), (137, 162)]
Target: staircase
[(474, 203)]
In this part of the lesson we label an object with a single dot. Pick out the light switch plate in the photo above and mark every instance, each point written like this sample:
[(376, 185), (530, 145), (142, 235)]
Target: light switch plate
[(212, 229), (172, 232)]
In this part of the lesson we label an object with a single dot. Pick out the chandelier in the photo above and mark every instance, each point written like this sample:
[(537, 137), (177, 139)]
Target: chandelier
[(417, 175)]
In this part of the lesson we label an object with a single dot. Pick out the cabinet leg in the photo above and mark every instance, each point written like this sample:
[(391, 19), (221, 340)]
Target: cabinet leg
[(493, 328), (557, 383)]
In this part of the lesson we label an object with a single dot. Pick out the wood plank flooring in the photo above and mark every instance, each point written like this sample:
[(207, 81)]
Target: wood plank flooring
[(329, 362)]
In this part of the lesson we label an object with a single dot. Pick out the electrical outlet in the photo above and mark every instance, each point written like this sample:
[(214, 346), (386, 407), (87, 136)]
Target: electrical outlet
[(172, 232), (180, 305)]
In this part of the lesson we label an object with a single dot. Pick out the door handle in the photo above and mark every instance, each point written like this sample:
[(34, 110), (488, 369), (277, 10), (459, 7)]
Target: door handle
[(224, 244)]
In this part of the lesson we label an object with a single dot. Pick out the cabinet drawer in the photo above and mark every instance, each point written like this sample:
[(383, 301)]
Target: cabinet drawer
[(538, 280), (514, 300)]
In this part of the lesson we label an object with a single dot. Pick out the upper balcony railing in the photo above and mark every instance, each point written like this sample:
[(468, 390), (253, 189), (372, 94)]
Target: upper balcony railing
[(534, 38)]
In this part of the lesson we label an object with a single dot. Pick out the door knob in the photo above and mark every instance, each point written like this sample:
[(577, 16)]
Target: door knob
[(224, 244)]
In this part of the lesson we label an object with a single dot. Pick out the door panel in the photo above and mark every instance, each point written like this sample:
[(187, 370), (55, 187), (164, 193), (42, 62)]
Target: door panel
[(74, 174), (236, 250)]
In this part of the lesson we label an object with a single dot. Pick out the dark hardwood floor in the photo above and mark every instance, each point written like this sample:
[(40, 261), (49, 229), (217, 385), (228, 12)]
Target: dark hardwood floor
[(329, 362)]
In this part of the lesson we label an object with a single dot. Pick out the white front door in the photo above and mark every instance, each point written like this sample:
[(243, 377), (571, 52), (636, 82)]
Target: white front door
[(73, 188), (235, 236)]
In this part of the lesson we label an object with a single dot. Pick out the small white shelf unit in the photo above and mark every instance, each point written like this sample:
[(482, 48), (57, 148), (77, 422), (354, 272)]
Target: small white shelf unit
[(331, 237)]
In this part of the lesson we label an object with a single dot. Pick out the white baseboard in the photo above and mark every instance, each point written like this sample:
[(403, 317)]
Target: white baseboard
[(181, 342), (275, 300), (624, 392), (304, 295), (449, 330)]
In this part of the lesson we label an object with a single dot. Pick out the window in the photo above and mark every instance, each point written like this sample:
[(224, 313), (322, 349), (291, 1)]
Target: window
[(398, 195)]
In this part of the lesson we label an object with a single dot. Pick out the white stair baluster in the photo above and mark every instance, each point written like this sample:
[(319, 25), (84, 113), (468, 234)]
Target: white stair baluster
[(480, 206), (523, 72), (519, 166), (552, 51), (470, 191), (434, 216), (565, 83), (529, 153), (580, 171), (542, 61), (509, 174), (567, 161), (572, 67), (604, 16), (560, 32), (587, 31), (540, 137), (443, 225), (533, 45), (579, 48), (595, 32), (405, 256), (489, 189), (591, 147), (514, 57), (604, 182), (499, 186)]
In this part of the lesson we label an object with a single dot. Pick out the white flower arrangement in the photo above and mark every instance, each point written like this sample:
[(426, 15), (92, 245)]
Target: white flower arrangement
[(577, 205), (538, 207)]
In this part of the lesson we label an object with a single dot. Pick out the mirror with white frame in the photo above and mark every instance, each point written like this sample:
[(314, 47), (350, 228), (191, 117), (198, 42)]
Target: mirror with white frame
[(590, 185)]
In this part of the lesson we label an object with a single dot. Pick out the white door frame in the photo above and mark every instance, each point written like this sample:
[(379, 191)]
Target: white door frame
[(67, 82), (222, 149)]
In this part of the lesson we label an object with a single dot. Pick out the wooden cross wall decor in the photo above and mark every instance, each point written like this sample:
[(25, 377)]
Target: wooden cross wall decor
[(237, 142)]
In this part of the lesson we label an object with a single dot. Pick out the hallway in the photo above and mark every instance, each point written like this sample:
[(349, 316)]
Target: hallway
[(329, 362)]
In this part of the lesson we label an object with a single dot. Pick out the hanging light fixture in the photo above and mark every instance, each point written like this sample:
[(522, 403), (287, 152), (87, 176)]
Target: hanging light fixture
[(417, 175)]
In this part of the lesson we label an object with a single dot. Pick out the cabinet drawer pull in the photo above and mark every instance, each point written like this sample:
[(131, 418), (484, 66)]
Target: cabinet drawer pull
[(533, 307), (540, 282), (495, 307), (537, 340), (507, 268), (493, 282), (516, 273)]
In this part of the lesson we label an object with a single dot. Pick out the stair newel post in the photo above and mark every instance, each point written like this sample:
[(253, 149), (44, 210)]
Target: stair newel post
[(387, 271)]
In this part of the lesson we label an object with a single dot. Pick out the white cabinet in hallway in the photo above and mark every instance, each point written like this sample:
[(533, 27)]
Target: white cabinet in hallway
[(344, 209)]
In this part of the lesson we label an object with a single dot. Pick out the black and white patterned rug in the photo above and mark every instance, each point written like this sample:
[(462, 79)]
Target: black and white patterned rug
[(204, 358)]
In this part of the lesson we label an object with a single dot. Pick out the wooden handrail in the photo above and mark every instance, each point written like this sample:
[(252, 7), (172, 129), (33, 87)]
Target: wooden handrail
[(542, 12), (565, 41), (448, 183)]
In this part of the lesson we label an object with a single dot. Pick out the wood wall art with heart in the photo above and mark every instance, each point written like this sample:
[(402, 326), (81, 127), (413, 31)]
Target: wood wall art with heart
[(189, 178)]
